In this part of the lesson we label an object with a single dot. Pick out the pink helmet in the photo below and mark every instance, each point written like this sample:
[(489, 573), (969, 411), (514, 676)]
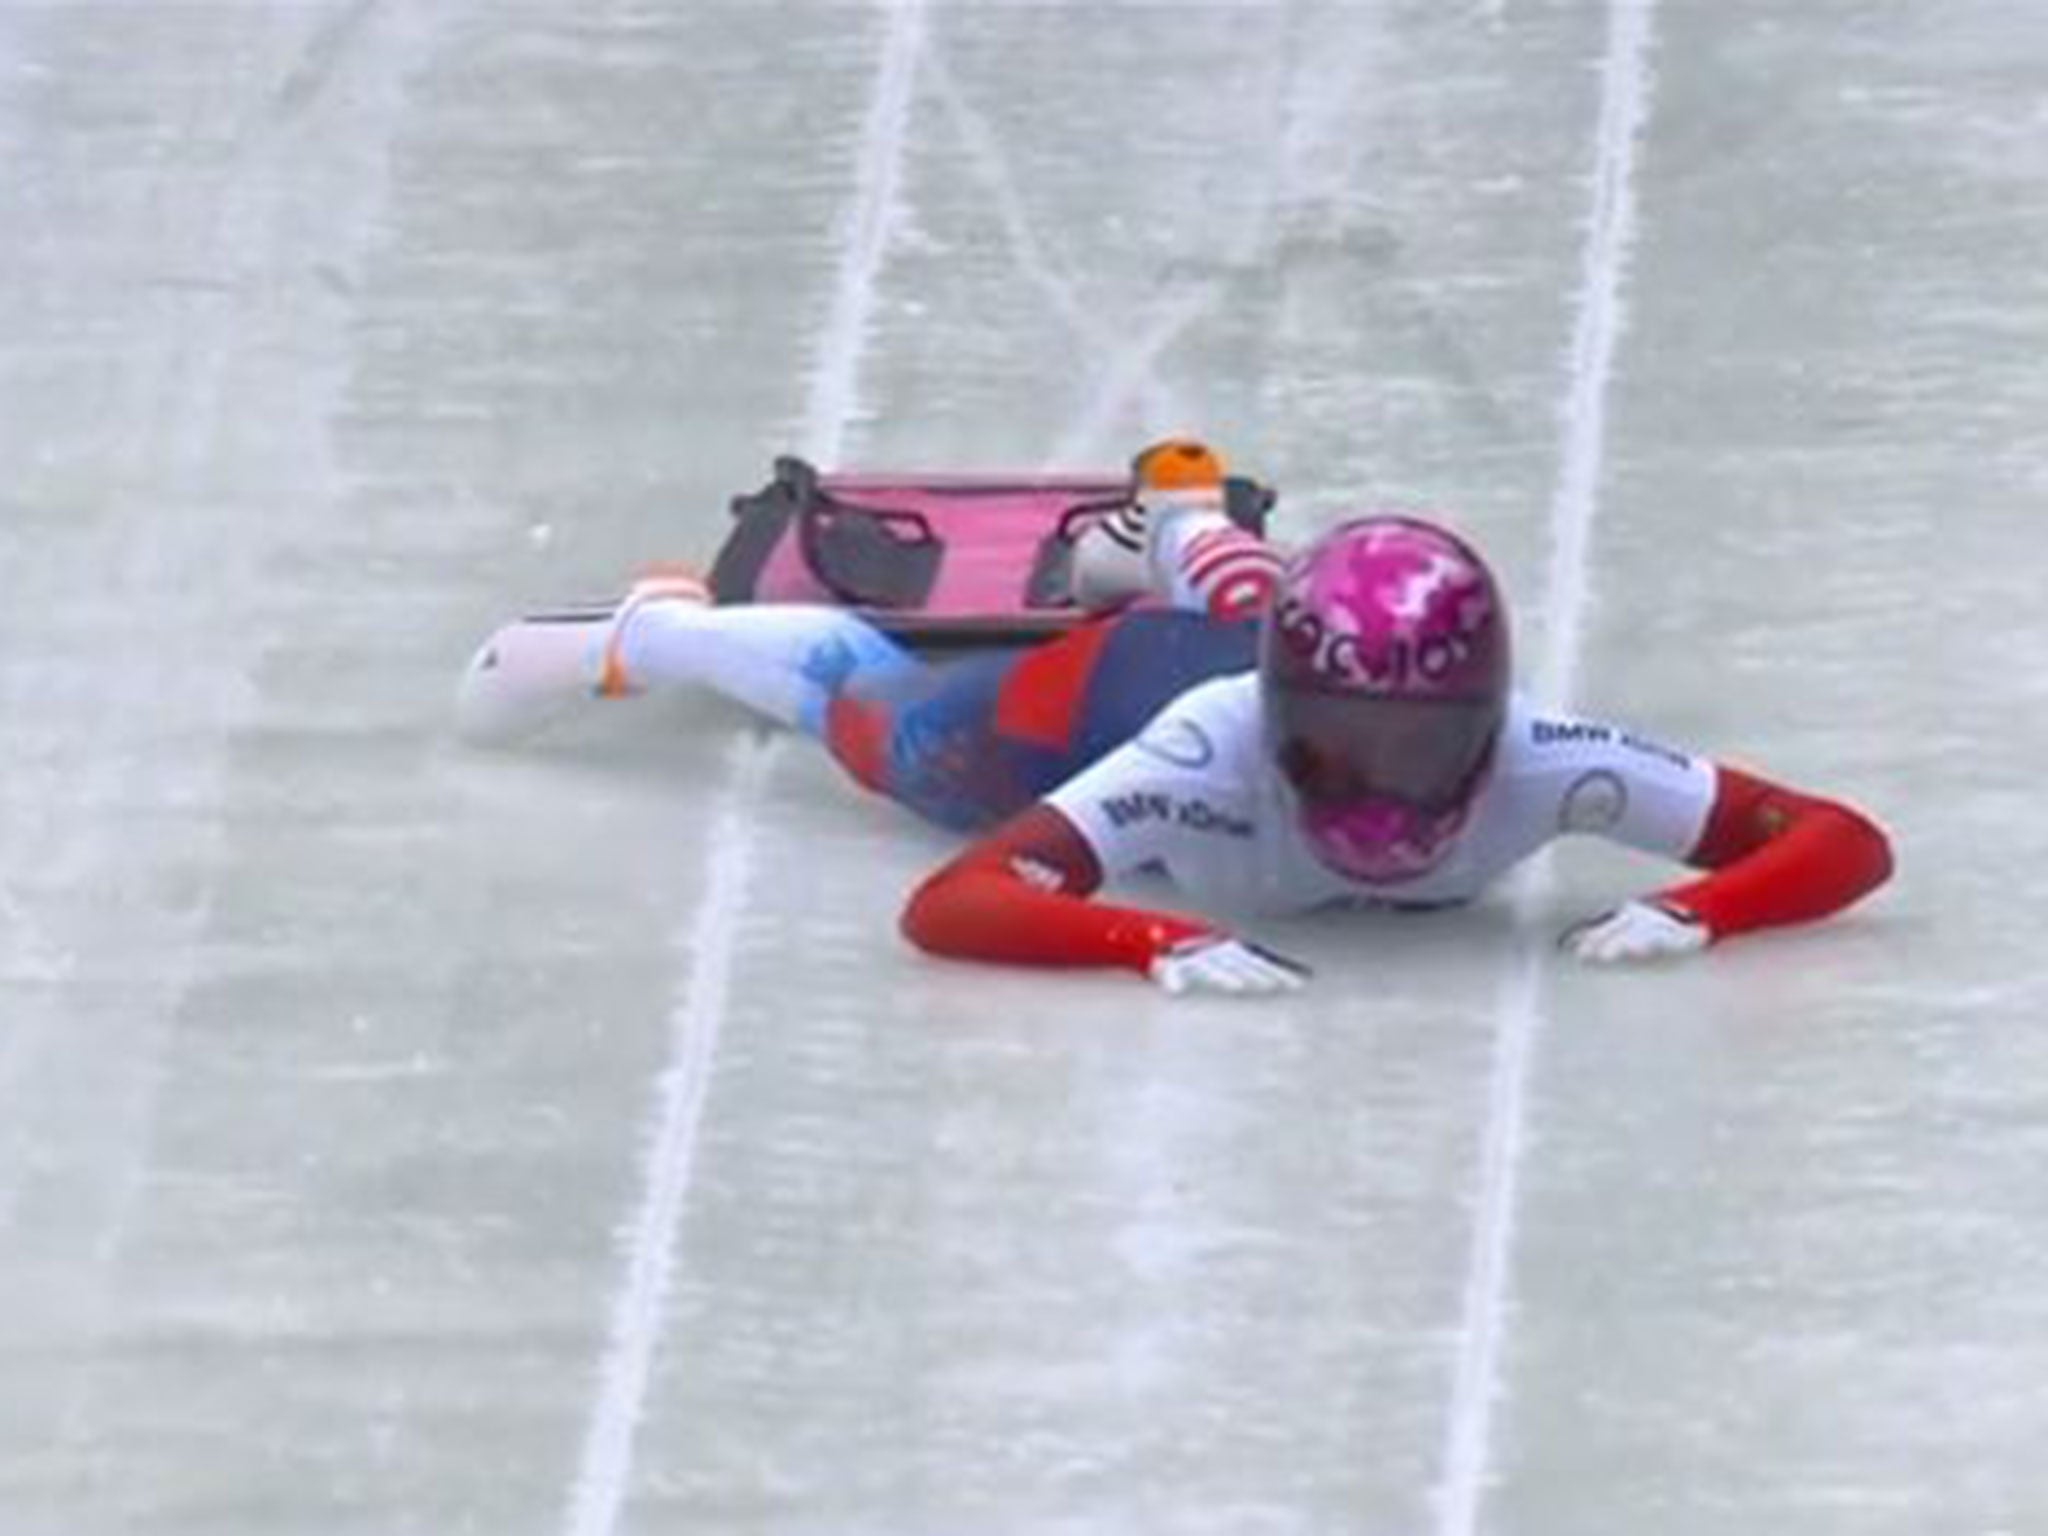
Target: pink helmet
[(1384, 670)]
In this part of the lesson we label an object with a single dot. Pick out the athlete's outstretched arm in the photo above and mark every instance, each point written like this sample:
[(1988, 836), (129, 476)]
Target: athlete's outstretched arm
[(1774, 857), (1778, 856), (1021, 896)]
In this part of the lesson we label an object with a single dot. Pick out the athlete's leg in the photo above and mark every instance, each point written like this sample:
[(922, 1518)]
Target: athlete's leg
[(916, 733), (1148, 658), (787, 661), (929, 741), (964, 744), (973, 742)]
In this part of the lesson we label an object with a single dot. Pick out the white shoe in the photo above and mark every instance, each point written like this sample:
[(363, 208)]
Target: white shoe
[(533, 671), (527, 675)]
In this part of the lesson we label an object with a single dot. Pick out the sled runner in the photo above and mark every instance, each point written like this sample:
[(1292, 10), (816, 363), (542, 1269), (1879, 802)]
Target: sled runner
[(938, 561)]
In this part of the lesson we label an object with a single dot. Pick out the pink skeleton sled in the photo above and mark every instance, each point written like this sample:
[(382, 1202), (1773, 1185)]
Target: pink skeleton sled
[(938, 561)]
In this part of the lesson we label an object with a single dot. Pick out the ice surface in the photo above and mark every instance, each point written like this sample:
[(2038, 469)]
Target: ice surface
[(394, 1139)]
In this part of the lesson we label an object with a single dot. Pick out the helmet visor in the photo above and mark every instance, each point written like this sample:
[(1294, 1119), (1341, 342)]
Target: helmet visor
[(1343, 748)]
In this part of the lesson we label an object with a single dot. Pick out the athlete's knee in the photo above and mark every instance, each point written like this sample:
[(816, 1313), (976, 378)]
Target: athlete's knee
[(861, 654), (857, 732)]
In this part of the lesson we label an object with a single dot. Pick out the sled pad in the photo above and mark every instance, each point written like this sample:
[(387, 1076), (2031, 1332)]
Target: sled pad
[(936, 560)]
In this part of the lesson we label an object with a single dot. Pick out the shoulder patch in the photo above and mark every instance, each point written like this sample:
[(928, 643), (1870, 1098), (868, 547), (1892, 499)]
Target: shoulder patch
[(1179, 742), (1596, 802)]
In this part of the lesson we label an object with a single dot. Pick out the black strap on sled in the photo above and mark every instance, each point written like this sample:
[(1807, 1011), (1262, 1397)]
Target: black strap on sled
[(866, 557)]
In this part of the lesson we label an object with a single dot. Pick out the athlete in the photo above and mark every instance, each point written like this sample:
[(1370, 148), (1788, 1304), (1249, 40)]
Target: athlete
[(1340, 729), (965, 743)]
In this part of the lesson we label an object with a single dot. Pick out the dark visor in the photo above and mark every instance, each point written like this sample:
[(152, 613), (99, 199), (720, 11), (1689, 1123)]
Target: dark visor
[(1338, 749)]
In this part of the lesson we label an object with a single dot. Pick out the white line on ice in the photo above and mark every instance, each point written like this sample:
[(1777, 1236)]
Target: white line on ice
[(605, 1467), (835, 385), (607, 1460), (1624, 104)]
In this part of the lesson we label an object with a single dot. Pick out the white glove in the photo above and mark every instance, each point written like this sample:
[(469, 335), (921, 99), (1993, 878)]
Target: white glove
[(1637, 930), (1219, 963)]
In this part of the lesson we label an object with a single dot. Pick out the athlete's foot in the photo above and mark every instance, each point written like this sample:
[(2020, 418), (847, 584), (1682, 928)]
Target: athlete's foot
[(527, 675), (657, 584), (534, 671)]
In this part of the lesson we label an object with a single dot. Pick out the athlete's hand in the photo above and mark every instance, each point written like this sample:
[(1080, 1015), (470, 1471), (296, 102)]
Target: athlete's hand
[(1215, 962), (1637, 930)]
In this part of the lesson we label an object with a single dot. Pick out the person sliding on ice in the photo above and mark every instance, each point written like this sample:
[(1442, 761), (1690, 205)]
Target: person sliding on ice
[(966, 742), (1358, 741)]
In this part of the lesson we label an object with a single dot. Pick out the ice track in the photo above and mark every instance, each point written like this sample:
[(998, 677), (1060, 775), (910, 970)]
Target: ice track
[(399, 1139)]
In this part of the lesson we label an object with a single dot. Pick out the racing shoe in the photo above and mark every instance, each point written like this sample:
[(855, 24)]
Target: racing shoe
[(528, 674), (533, 671)]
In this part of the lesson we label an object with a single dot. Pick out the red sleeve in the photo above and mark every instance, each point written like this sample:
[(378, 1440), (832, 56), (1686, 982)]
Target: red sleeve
[(1020, 896), (1778, 857)]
